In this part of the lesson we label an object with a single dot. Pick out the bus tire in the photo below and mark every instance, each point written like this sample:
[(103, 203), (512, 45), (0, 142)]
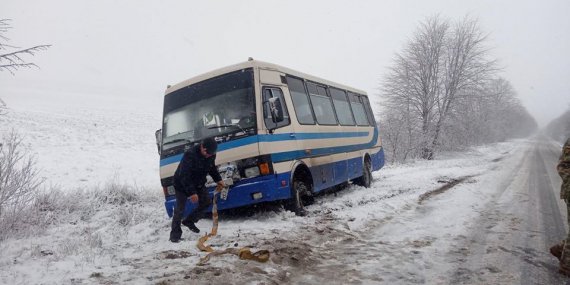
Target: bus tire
[(366, 179), (299, 191)]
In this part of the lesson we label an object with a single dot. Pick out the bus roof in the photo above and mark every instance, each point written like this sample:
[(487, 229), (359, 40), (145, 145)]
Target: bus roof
[(262, 65)]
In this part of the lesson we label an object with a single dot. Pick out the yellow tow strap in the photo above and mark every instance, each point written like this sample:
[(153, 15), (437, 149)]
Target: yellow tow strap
[(242, 253)]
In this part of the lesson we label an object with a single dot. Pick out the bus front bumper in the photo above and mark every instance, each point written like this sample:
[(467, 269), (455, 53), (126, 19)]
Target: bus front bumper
[(246, 192)]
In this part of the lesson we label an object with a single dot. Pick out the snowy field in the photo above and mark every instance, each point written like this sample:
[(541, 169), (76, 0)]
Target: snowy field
[(80, 147), (386, 234)]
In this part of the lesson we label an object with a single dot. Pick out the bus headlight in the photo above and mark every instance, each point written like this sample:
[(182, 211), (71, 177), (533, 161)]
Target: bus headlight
[(251, 172), (255, 166)]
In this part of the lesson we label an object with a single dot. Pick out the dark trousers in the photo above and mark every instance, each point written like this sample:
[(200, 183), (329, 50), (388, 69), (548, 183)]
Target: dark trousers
[(198, 212)]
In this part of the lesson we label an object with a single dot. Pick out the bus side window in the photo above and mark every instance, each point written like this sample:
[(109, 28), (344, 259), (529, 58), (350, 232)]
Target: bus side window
[(275, 112), (342, 107), (369, 112), (358, 109), (301, 104), (322, 104)]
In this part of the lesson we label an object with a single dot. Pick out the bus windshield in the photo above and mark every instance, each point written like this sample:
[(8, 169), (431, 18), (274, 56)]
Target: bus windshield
[(221, 107)]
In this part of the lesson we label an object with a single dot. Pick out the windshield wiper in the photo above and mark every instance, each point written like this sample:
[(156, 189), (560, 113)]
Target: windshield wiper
[(239, 132), (227, 126)]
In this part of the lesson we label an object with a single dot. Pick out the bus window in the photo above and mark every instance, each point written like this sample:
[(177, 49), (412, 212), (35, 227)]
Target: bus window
[(342, 107), (369, 113), (271, 110), (322, 104), (300, 101), (358, 109)]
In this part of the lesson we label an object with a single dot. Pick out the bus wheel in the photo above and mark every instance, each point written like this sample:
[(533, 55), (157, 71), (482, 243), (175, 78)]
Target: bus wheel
[(298, 194), (366, 178)]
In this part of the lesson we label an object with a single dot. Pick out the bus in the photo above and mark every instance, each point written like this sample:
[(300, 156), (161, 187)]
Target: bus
[(282, 134)]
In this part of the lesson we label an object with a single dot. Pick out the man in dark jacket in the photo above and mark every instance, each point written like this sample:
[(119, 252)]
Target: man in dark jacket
[(189, 180)]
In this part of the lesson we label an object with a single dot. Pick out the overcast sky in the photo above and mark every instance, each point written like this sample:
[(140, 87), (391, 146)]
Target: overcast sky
[(123, 53)]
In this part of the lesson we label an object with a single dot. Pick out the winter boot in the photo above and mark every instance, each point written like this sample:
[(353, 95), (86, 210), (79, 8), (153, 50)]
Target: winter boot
[(191, 226), (175, 237), (556, 250), (175, 233)]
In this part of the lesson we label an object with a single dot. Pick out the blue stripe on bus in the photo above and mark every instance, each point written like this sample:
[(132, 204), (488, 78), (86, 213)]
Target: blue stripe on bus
[(292, 136), (298, 154), (310, 136), (238, 143), (171, 159)]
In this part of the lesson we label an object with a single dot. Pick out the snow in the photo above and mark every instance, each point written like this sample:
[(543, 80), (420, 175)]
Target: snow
[(383, 234), (78, 147)]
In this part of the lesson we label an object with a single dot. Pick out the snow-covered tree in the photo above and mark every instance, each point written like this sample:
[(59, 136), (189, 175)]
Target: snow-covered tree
[(466, 67), (13, 58), (19, 176), (441, 93), (415, 80)]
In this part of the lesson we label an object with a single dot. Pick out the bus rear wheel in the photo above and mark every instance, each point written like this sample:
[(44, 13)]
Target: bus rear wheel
[(366, 179)]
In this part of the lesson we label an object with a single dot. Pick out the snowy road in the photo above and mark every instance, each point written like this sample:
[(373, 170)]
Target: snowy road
[(509, 244)]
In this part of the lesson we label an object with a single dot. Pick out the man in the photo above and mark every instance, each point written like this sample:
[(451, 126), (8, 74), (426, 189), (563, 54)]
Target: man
[(561, 251), (189, 180)]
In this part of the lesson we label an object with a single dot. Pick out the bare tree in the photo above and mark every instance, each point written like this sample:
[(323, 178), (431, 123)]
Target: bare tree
[(393, 136), (438, 66), (19, 180), (415, 80), (489, 113), (19, 177), (12, 57), (466, 67)]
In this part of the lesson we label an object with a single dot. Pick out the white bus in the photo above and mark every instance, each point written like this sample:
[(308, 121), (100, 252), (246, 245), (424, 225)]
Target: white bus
[(282, 134)]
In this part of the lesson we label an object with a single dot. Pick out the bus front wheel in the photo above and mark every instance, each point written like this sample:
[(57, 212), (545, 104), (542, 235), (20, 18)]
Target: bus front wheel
[(299, 193)]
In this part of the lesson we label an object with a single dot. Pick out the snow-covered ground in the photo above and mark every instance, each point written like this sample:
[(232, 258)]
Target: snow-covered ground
[(78, 147), (399, 231)]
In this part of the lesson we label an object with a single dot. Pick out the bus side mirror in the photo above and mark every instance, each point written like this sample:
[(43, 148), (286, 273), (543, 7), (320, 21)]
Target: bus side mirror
[(276, 109), (158, 137)]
